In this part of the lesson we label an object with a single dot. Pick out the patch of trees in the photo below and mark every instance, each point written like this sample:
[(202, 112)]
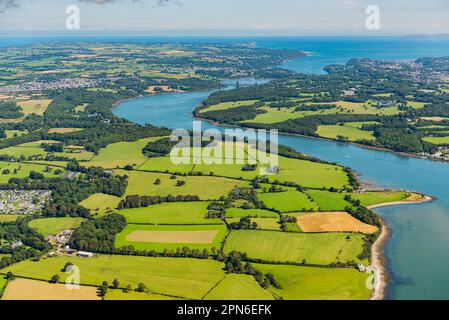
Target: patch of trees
[(361, 213), (135, 201), (10, 110), (244, 224), (159, 148), (98, 235), (233, 115)]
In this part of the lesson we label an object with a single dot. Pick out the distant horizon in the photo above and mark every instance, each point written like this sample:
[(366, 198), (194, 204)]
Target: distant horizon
[(328, 17)]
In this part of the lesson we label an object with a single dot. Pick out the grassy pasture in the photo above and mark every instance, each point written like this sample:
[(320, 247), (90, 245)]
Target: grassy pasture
[(53, 226), (17, 133), (121, 154), (351, 133), (228, 105), (24, 289), (101, 203), (307, 283), (170, 213), (329, 201), (288, 201), (440, 141), (207, 188), (238, 287), (8, 217), (171, 237), (24, 170), (333, 222), (310, 174), (323, 248), (192, 278), (253, 213), (377, 197)]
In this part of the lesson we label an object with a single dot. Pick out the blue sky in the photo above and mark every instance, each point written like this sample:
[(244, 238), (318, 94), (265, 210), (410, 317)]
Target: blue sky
[(290, 17)]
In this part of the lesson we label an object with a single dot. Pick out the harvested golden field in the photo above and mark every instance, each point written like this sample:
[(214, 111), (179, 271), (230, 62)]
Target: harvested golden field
[(333, 222), (35, 106), (24, 289), (63, 130), (203, 237)]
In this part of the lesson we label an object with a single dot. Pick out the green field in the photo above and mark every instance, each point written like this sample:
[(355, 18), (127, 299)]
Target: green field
[(8, 217), (23, 170), (376, 197), (53, 226), (322, 249), (255, 213), (189, 278), (350, 133), (329, 201), (121, 154), (218, 231), (101, 203), (238, 287), (440, 141), (289, 201), (307, 283), (121, 295), (228, 105), (170, 213), (142, 183)]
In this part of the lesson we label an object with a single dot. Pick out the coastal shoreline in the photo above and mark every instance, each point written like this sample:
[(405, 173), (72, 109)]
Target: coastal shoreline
[(378, 261)]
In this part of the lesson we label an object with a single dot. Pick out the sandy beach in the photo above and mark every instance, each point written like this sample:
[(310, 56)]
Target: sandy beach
[(377, 257)]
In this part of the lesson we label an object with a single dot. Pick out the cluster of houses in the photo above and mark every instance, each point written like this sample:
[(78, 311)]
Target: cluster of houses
[(60, 241), (34, 86), (23, 201)]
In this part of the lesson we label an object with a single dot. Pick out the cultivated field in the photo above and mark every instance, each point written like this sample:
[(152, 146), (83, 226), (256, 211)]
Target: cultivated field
[(64, 130), (323, 248), (23, 289), (189, 278), (307, 283), (333, 222), (158, 238)]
